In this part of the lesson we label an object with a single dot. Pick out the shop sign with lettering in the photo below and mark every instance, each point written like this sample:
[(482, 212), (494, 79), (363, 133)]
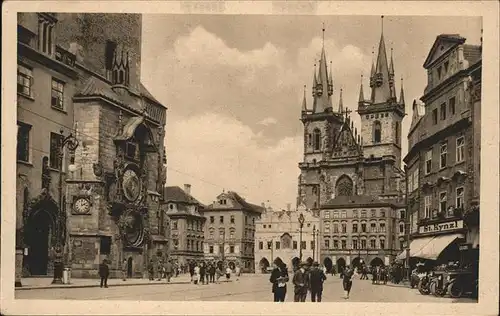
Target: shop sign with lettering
[(441, 227)]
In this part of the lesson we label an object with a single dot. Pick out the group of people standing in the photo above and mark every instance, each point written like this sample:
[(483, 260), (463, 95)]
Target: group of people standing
[(210, 272), (161, 271), (307, 278)]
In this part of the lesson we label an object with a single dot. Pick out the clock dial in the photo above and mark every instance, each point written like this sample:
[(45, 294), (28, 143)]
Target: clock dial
[(82, 206), (131, 185)]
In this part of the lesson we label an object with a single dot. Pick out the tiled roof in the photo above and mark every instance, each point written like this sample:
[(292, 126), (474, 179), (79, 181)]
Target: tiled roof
[(176, 194), (145, 92), (472, 53), (240, 203), (95, 87)]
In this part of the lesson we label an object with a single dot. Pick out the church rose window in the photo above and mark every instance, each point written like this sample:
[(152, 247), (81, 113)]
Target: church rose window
[(344, 186)]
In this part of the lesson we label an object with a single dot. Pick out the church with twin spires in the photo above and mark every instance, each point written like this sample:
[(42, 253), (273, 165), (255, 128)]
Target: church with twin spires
[(346, 169)]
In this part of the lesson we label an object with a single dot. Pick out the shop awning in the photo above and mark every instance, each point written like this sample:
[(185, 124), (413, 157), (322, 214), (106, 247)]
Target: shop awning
[(432, 249), (415, 246)]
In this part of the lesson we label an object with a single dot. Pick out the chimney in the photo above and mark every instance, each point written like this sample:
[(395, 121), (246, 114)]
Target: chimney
[(187, 188)]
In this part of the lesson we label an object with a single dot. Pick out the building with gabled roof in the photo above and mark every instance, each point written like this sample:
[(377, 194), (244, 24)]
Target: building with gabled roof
[(230, 230)]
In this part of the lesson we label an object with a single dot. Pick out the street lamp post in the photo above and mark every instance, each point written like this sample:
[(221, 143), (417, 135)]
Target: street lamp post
[(301, 225), (314, 241), (72, 143), (407, 225)]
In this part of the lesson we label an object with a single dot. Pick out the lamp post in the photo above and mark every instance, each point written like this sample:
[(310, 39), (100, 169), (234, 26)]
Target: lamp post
[(407, 226), (72, 143), (301, 225), (314, 241)]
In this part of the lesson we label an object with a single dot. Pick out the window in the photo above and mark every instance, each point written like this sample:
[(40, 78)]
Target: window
[(231, 249), (278, 245), (188, 244), (428, 161), (460, 197), (401, 228), (317, 139), (335, 227), (373, 243), (211, 234), (439, 72), (363, 227), (222, 234), (355, 213), (402, 214), (377, 132), (336, 244), (373, 213), (446, 63), (212, 219), (396, 132), (232, 219), (327, 244), (363, 213), (264, 226), (427, 206), (55, 147), (269, 226), (442, 111), (261, 245), (327, 227), (23, 142), (294, 244), (344, 228), (24, 80), (355, 243), (373, 227), (363, 243), (174, 225), (221, 219), (382, 243), (57, 94), (46, 36), (105, 245), (269, 245), (451, 105), (211, 249), (435, 116), (442, 157), (327, 214), (312, 244), (460, 149), (443, 199), (303, 244), (231, 234), (344, 186), (343, 244), (309, 137), (344, 214), (335, 214), (382, 213), (382, 227), (415, 179), (354, 228)]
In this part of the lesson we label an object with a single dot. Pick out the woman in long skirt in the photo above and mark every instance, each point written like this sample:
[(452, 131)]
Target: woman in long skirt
[(347, 281)]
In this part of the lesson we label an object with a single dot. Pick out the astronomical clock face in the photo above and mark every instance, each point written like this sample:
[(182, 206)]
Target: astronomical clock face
[(82, 206), (131, 185)]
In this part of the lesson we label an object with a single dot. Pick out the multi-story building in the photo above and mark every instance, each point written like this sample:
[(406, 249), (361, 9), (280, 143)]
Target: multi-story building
[(186, 225), (278, 235), (110, 205), (230, 230), (443, 153), (340, 163)]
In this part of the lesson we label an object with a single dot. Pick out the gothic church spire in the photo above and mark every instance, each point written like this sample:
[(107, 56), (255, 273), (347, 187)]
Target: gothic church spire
[(381, 89)]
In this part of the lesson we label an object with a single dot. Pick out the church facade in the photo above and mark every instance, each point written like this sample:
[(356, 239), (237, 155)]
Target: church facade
[(344, 169)]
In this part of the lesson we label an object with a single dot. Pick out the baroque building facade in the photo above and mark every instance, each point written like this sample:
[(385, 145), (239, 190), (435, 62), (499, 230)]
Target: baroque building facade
[(444, 155), (278, 235), (230, 231), (112, 184), (341, 162)]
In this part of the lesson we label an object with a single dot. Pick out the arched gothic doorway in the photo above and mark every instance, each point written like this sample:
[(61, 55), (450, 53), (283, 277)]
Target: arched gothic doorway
[(264, 264), (328, 264), (344, 186), (356, 262), (376, 262), (41, 237), (130, 270), (340, 264)]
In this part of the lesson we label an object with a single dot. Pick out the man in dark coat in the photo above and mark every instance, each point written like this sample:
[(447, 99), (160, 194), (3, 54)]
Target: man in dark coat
[(316, 279), (104, 273), (169, 270), (301, 283), (211, 271), (279, 278), (203, 271)]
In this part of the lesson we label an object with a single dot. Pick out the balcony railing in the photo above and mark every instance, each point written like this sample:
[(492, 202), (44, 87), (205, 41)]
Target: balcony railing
[(64, 56)]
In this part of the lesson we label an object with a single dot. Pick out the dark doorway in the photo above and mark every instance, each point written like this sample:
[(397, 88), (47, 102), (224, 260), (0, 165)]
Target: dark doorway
[(40, 227), (130, 261), (328, 264), (356, 262), (220, 265), (263, 264), (232, 265), (340, 264), (377, 262)]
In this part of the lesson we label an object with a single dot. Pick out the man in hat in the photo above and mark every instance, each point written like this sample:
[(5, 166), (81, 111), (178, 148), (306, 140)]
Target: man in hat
[(316, 279), (301, 283)]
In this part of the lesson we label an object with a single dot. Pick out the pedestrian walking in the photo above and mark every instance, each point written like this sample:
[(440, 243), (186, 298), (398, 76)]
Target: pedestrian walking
[(300, 281), (191, 269), (237, 272), (364, 271), (104, 273), (168, 270), (151, 270), (219, 274), (228, 273), (203, 271), (160, 270), (316, 279), (279, 278), (124, 270), (212, 271), (196, 274), (347, 274)]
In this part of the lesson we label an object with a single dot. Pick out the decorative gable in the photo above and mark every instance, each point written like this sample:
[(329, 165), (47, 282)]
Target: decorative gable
[(345, 144), (443, 44)]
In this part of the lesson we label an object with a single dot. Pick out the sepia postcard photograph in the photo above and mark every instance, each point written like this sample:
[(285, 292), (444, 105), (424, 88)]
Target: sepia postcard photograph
[(241, 158)]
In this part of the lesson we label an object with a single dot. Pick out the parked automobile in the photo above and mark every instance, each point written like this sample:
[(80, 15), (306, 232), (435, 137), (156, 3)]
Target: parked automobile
[(461, 282)]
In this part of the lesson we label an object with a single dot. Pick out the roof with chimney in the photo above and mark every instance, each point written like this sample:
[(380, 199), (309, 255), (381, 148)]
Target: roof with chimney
[(238, 203), (177, 195)]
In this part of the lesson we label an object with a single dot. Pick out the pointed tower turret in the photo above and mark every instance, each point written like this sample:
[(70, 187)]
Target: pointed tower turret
[(341, 103), (381, 90), (391, 77), (330, 81), (361, 98), (304, 103), (402, 94), (323, 93)]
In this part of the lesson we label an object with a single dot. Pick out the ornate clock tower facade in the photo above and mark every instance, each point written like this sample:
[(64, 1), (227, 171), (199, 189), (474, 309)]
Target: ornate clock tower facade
[(114, 192)]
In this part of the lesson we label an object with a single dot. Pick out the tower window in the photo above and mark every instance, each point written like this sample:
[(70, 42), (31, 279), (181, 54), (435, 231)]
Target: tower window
[(452, 106), (396, 131), (317, 139), (443, 111), (377, 132)]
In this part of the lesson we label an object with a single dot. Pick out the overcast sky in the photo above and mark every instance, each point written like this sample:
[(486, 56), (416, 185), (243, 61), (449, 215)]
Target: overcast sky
[(234, 84)]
